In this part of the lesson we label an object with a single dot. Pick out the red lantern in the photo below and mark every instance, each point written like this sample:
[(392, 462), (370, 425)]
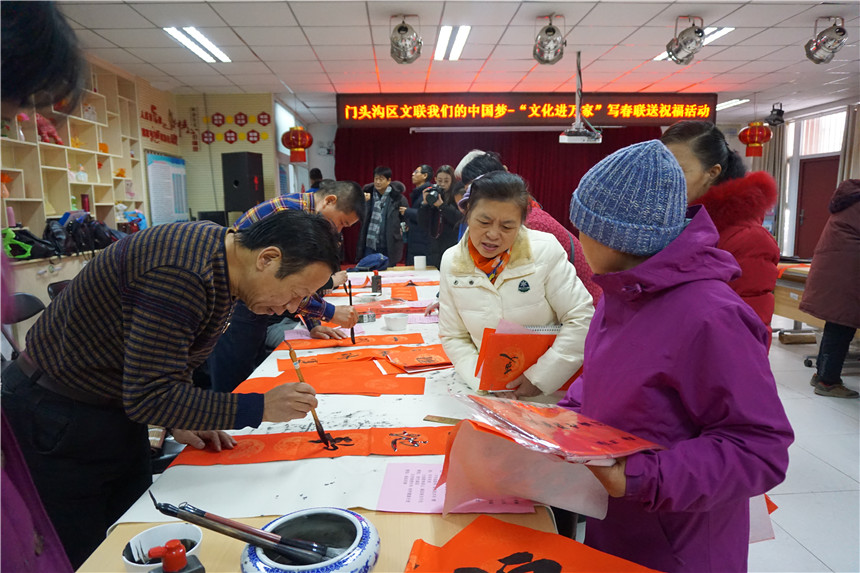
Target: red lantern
[(297, 140), (754, 136)]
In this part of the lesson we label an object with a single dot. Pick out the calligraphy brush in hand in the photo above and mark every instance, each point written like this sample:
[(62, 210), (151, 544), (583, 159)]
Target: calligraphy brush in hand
[(320, 432), (349, 292)]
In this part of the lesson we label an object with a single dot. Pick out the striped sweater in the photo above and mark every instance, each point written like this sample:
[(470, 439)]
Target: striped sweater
[(138, 319)]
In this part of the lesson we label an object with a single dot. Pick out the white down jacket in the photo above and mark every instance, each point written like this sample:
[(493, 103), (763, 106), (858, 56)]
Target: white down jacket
[(538, 287)]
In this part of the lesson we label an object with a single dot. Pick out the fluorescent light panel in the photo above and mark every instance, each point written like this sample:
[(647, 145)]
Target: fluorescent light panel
[(457, 45), (206, 43), (730, 103), (442, 43), (711, 33)]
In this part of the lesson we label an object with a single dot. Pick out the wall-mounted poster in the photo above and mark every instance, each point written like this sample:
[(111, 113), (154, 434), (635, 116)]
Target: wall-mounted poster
[(168, 199)]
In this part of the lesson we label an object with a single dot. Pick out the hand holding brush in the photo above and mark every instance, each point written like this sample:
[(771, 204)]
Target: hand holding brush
[(295, 360)]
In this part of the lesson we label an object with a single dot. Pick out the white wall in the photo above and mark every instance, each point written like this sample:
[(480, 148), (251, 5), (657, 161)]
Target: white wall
[(323, 134)]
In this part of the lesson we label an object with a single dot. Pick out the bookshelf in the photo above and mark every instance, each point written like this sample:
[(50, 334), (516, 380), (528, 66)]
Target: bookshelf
[(96, 165)]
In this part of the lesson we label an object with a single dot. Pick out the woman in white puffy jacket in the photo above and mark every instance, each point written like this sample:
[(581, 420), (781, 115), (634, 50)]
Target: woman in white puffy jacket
[(502, 270)]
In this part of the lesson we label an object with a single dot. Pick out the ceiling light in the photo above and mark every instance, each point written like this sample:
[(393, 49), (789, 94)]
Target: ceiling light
[(459, 43), (442, 42), (206, 43), (581, 131), (730, 103), (188, 43), (712, 33), (824, 45), (549, 44), (776, 115), (405, 43), (684, 46)]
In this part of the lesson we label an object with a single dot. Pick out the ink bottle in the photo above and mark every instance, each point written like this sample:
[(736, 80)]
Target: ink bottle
[(376, 282), (174, 559)]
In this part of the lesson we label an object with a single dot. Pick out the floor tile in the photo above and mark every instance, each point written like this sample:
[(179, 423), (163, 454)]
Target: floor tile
[(783, 553), (826, 524), (812, 417), (840, 451), (810, 474)]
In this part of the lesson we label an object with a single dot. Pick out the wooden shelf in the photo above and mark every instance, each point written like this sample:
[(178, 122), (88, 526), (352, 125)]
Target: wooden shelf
[(9, 140), (22, 200)]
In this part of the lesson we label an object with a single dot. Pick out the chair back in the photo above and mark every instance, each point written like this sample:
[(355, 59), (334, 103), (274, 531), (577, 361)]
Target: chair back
[(56, 288)]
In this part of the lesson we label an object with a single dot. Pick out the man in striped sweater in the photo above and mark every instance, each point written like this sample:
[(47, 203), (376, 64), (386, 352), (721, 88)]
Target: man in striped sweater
[(115, 352)]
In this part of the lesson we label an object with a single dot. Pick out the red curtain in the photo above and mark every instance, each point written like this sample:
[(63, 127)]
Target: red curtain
[(551, 169)]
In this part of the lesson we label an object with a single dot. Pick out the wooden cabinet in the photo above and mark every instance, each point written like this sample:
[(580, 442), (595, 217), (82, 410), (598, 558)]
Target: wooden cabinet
[(95, 165)]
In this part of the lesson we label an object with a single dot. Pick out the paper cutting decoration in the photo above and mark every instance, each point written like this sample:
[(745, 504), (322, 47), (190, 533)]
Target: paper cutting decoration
[(557, 430), (260, 448), (489, 545), (376, 340)]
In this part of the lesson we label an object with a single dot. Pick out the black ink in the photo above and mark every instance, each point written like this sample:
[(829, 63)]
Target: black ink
[(512, 360), (406, 439), (331, 444)]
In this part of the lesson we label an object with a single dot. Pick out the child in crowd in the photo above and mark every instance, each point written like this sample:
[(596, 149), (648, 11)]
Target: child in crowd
[(674, 356)]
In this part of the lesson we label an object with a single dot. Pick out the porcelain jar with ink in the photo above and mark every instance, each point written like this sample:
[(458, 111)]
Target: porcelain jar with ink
[(352, 542)]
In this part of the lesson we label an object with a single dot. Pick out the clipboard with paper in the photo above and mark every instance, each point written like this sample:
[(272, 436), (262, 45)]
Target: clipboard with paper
[(509, 350)]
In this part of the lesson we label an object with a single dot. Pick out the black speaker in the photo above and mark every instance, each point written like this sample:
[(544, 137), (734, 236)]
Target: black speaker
[(243, 180), (219, 217)]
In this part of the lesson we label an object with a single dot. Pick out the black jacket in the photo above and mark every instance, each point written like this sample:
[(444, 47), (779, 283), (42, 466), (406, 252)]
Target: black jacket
[(417, 239), (392, 246), (442, 224)]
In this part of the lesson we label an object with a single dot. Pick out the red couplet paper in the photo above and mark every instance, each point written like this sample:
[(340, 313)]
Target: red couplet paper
[(363, 378), (554, 429), (503, 357), (374, 340), (490, 545), (404, 293), (255, 449), (391, 283), (420, 358)]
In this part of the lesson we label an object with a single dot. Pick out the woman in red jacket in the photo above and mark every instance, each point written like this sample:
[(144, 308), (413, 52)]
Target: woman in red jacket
[(736, 201)]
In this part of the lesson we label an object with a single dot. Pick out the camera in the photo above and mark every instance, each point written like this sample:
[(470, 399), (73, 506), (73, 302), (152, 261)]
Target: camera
[(432, 195)]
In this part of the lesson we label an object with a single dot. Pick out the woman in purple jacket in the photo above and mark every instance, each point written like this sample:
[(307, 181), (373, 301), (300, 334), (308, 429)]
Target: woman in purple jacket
[(674, 356)]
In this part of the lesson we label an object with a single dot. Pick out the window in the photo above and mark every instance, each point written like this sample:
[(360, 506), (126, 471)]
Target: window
[(822, 134)]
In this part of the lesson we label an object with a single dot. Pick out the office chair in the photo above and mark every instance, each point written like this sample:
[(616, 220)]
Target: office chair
[(56, 288), (22, 307)]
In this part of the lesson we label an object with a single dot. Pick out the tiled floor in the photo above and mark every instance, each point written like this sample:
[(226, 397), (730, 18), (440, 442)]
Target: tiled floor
[(817, 524)]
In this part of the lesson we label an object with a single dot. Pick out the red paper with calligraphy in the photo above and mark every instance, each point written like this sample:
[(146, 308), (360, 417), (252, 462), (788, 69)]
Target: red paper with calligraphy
[(489, 545), (261, 448), (375, 340), (364, 378), (557, 430)]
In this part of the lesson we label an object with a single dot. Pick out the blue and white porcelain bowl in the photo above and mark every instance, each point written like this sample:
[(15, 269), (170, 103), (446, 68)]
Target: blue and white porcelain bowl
[(352, 539)]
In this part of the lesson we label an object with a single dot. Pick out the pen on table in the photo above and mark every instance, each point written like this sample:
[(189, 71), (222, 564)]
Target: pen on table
[(295, 360), (352, 329)]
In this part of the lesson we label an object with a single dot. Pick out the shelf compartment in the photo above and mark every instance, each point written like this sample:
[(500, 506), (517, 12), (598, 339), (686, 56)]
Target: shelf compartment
[(24, 158), (86, 132), (15, 185), (57, 195), (102, 194), (29, 213), (94, 108)]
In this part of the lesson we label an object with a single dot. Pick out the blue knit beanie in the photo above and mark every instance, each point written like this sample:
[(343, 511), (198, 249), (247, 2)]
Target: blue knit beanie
[(633, 201)]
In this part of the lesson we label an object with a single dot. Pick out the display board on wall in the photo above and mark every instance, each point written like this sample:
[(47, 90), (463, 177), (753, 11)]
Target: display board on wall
[(520, 109), (168, 198)]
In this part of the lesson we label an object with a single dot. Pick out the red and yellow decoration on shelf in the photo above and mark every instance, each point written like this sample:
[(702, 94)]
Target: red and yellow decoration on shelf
[(297, 139), (754, 136)]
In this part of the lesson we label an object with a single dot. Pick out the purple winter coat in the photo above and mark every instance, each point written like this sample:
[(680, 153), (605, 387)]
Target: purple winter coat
[(675, 356)]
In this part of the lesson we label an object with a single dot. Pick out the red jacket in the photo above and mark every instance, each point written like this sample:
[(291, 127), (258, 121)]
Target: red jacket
[(737, 208)]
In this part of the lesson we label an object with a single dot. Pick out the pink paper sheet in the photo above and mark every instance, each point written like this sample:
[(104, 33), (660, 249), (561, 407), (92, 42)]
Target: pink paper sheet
[(304, 333), (421, 319), (411, 488)]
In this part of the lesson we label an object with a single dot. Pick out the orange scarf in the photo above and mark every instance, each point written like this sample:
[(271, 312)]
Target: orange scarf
[(491, 267)]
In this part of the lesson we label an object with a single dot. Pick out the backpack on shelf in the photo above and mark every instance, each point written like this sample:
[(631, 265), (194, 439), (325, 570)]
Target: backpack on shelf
[(23, 245), (56, 235), (79, 235)]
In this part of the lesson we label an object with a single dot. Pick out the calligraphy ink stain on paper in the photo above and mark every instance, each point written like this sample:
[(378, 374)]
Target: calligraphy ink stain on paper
[(406, 439), (525, 563), (332, 444)]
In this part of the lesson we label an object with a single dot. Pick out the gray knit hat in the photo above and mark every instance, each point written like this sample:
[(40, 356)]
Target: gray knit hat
[(633, 201)]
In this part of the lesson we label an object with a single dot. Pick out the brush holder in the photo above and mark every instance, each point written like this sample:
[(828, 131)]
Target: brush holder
[(352, 539)]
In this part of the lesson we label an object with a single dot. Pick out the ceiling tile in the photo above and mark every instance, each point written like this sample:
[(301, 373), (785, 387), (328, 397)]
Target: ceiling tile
[(255, 13), (339, 36), (222, 37), (285, 53), (164, 14), (635, 54), (345, 53), (757, 66), (764, 14), (90, 40), (242, 53), (426, 13), (521, 35), (245, 79), (245, 68), (650, 36), (314, 88), (200, 68), (477, 51), (709, 12), (232, 89), (447, 87), (330, 13), (567, 14), (338, 66), (104, 15), (147, 71), (204, 80), (350, 88), (305, 78), (718, 66), (788, 53), (742, 53), (445, 66), (165, 55), (777, 37), (500, 77), (138, 37), (474, 13), (118, 56), (499, 65), (847, 10), (622, 14), (582, 36), (485, 34), (306, 67), (272, 36)]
